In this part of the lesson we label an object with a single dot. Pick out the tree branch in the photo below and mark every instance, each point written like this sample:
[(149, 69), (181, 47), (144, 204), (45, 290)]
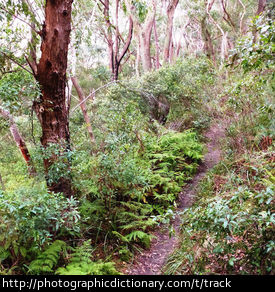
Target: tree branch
[(7, 56)]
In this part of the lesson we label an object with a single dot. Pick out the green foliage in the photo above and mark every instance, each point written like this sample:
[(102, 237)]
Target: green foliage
[(231, 230), (62, 159), (133, 220), (141, 9), (30, 218), (14, 86), (257, 52), (80, 263), (48, 259), (174, 159), (250, 93)]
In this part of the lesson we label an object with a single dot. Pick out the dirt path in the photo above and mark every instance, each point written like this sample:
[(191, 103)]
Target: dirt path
[(151, 261)]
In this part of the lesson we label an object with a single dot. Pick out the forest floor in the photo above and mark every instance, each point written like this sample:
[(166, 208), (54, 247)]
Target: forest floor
[(151, 261)]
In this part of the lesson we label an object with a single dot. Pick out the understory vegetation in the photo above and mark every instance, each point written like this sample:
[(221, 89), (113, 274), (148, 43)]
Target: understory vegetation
[(230, 228), (147, 143), (126, 183)]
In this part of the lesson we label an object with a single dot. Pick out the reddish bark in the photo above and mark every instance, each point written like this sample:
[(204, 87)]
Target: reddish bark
[(157, 45), (19, 140), (52, 110)]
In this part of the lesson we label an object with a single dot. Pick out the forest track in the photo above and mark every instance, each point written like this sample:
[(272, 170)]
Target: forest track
[(151, 261)]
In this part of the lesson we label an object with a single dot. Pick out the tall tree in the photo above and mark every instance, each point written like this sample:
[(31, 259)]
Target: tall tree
[(172, 5), (143, 30), (114, 54), (50, 72)]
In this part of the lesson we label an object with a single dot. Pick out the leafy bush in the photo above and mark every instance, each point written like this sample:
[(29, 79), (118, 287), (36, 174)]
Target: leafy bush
[(257, 52), (230, 231), (132, 184), (250, 93), (14, 86), (30, 218)]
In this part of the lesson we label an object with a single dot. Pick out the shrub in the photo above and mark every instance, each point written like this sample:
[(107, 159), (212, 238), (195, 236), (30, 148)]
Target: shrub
[(230, 231), (30, 218)]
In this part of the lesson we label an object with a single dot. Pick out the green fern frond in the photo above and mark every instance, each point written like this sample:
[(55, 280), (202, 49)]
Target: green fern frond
[(81, 263), (48, 259)]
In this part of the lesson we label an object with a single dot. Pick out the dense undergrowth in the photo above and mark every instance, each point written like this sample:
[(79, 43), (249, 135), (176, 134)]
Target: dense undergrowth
[(126, 182), (230, 228), (148, 145)]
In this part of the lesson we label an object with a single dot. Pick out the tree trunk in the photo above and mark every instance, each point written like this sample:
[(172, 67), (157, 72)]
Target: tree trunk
[(143, 33), (208, 44), (113, 53), (157, 45), (2, 183), (261, 7), (51, 109), (260, 10), (84, 108), (19, 141), (145, 49), (108, 35), (169, 29)]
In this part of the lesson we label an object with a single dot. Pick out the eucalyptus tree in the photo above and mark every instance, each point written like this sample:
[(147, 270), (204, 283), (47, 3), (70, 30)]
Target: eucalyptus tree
[(113, 36), (171, 7), (143, 16), (52, 109)]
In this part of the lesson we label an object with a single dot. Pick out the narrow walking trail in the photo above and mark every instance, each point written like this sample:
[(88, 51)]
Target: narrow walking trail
[(151, 261)]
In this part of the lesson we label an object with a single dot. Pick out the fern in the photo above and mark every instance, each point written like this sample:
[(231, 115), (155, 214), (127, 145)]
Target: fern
[(80, 263), (141, 236), (48, 259), (174, 159)]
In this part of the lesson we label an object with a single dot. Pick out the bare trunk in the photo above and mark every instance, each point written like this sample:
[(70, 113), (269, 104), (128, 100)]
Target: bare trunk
[(118, 57), (261, 7), (143, 33), (137, 59), (157, 45), (83, 108), (19, 141), (208, 44), (108, 36), (145, 50), (260, 10), (178, 49), (2, 183), (169, 29), (52, 110), (113, 46)]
